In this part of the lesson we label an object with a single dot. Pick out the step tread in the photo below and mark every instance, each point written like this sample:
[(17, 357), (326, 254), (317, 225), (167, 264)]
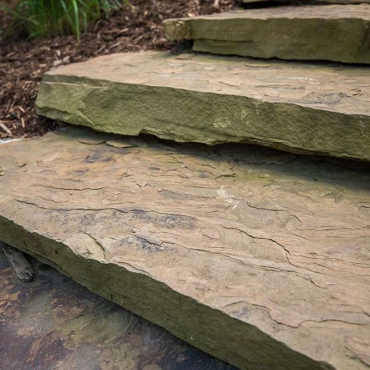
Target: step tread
[(317, 108), (300, 2), (264, 249)]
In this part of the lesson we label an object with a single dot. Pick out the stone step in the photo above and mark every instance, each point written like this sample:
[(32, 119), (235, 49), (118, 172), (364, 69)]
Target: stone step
[(300, 2), (314, 108), (258, 257), (322, 32)]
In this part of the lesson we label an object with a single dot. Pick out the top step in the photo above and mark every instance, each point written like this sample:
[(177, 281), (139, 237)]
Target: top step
[(323, 32), (248, 2)]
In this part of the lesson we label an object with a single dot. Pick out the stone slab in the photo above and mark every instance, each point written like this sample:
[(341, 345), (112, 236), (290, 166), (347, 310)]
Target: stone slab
[(297, 107), (248, 2), (258, 257), (322, 32), (54, 323)]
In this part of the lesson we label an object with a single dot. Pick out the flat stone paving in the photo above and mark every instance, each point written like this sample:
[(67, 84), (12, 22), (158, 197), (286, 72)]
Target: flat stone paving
[(312, 32), (298, 107), (258, 257), (54, 323)]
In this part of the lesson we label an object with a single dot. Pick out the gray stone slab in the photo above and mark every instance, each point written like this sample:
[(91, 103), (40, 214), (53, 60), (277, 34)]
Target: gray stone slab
[(258, 257), (322, 32), (54, 323), (298, 107)]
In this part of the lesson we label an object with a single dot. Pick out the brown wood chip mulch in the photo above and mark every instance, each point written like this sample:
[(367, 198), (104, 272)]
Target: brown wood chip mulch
[(23, 62)]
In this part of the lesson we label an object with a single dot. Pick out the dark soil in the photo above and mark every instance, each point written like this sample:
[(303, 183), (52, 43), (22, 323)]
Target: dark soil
[(23, 62)]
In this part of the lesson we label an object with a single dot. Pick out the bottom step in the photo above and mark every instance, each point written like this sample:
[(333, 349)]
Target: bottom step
[(258, 257)]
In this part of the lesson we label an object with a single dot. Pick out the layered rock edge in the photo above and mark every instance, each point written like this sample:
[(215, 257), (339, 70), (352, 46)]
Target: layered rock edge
[(313, 32), (297, 107), (236, 250)]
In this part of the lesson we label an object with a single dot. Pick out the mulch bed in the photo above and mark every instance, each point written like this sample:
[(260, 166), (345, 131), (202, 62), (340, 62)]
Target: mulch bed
[(23, 62)]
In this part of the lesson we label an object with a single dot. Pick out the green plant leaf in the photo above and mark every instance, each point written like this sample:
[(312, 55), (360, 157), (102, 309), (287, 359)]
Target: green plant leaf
[(58, 17)]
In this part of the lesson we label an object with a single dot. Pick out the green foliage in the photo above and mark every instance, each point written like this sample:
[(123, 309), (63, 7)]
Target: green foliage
[(41, 18)]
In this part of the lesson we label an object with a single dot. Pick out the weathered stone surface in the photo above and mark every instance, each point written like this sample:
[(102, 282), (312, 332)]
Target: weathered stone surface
[(54, 323), (322, 32), (208, 99), (256, 256), (307, 1)]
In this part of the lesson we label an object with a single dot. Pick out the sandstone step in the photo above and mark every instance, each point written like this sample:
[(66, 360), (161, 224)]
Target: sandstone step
[(315, 108), (300, 2), (321, 32), (256, 256)]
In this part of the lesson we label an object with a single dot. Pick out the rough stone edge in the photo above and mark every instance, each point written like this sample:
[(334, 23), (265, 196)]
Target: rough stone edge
[(331, 124), (177, 29), (226, 342)]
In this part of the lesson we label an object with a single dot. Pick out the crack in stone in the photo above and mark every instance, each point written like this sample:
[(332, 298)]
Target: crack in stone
[(268, 311), (256, 237), (69, 189), (99, 244), (133, 210)]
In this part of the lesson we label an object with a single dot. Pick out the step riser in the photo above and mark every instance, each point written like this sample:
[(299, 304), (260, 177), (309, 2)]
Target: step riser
[(186, 116), (156, 302), (351, 44)]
